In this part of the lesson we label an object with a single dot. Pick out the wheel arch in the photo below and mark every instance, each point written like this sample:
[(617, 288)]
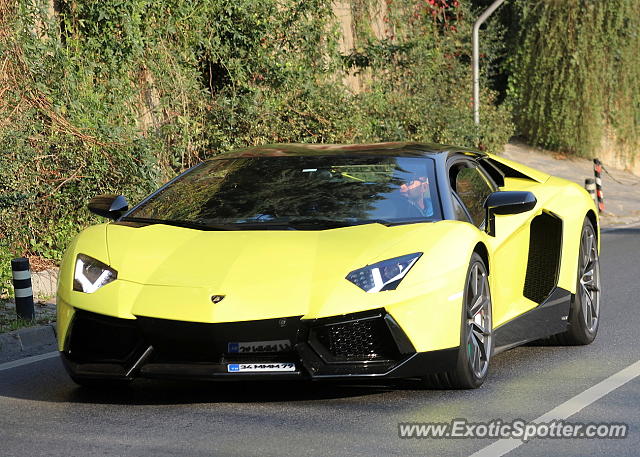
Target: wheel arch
[(594, 221), (481, 249)]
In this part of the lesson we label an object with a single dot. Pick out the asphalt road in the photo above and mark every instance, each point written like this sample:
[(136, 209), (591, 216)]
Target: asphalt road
[(43, 413)]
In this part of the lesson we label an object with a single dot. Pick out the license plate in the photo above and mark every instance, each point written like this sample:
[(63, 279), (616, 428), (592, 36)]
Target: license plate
[(252, 347), (258, 367)]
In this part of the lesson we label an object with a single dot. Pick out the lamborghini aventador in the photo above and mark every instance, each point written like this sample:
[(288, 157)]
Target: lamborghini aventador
[(391, 260)]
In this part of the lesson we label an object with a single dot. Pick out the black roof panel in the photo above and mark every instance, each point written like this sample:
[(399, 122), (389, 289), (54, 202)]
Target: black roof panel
[(403, 149)]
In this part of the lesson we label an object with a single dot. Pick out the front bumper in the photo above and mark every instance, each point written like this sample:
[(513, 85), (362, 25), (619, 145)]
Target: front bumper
[(357, 346)]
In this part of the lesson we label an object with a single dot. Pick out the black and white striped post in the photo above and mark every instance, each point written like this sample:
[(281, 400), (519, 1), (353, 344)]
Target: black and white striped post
[(590, 185), (597, 171), (22, 288)]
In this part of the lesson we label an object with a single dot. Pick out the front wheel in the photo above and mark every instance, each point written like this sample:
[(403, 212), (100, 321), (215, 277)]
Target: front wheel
[(476, 339)]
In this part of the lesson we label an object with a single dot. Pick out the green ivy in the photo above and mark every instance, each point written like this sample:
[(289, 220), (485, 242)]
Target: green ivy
[(575, 73)]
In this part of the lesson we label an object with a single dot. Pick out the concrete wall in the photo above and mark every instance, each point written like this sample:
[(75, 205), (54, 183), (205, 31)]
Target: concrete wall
[(616, 155)]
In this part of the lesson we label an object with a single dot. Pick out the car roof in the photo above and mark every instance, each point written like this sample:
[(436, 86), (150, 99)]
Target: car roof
[(396, 149)]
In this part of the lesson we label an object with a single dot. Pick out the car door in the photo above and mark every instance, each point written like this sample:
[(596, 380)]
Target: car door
[(508, 249)]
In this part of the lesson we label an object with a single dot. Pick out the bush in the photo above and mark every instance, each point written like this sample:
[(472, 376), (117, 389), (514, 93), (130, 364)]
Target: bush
[(119, 95)]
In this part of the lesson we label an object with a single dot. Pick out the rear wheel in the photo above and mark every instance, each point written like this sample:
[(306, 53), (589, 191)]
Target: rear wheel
[(476, 334), (584, 315)]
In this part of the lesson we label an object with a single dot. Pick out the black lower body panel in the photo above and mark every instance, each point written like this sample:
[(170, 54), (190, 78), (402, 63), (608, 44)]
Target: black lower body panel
[(358, 346), (549, 318)]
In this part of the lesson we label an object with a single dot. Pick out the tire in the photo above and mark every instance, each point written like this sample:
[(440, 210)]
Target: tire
[(584, 314), (101, 384), (476, 334)]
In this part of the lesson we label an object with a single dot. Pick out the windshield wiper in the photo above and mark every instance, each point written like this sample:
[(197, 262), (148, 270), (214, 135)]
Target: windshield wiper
[(391, 223), (291, 224), (183, 224), (315, 223)]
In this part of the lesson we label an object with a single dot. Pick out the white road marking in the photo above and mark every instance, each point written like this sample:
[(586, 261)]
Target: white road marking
[(566, 409), (27, 360)]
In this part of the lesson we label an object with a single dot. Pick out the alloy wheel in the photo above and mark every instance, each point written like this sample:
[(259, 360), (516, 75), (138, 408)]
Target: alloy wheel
[(589, 279), (479, 338)]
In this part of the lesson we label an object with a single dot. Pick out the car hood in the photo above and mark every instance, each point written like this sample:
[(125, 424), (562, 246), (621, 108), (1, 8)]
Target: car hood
[(174, 273), (173, 256)]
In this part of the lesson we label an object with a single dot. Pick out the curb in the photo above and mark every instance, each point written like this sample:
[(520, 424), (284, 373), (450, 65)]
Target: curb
[(27, 341), (613, 228)]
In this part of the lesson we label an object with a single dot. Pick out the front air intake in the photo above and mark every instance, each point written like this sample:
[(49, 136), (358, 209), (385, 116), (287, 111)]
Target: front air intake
[(95, 338), (356, 339)]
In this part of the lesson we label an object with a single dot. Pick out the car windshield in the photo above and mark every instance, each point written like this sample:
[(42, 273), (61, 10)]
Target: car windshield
[(296, 192)]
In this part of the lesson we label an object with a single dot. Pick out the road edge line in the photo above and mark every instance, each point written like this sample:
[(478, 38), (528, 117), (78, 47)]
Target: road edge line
[(567, 409), (27, 360)]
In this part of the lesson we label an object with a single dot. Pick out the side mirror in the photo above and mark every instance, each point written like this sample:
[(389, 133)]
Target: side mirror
[(111, 206), (509, 202)]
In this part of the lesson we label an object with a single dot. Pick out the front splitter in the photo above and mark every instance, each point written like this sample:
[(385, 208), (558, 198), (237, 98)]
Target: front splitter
[(306, 368)]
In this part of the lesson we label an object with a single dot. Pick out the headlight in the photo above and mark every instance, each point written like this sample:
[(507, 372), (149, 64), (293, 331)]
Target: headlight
[(91, 274), (385, 275)]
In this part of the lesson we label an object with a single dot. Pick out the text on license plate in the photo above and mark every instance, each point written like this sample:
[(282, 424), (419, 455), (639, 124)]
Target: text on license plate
[(257, 367), (259, 346)]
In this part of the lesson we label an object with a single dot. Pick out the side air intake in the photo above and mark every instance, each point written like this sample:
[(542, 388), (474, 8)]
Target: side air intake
[(543, 264)]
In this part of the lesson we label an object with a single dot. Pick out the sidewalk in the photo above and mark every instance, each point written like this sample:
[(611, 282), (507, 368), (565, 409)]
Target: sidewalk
[(27, 342), (622, 201), (31, 338)]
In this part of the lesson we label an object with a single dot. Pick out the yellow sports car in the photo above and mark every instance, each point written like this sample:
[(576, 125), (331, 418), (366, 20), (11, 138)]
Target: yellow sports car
[(392, 260)]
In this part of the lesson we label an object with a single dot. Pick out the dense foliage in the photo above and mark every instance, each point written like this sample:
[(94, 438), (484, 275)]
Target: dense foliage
[(118, 95), (575, 73)]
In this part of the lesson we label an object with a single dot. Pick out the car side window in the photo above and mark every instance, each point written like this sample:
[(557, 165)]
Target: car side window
[(458, 211), (473, 189)]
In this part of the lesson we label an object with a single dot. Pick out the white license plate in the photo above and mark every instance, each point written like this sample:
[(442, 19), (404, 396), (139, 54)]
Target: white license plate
[(258, 367), (252, 347)]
